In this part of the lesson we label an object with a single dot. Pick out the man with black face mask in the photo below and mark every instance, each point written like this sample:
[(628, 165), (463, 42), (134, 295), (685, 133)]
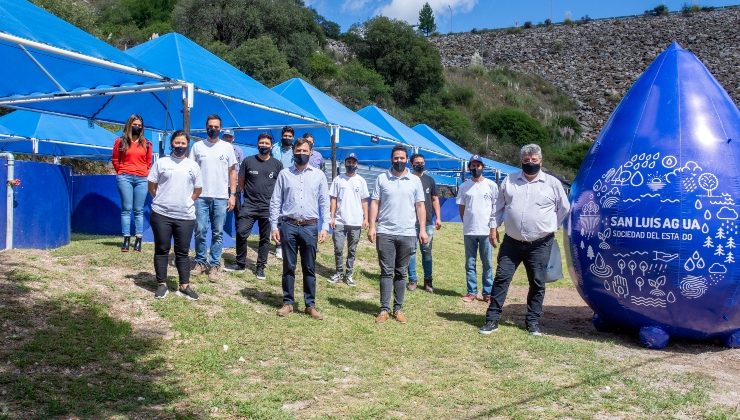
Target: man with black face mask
[(348, 207), (283, 152), (431, 203), (257, 176), (476, 200), (532, 204)]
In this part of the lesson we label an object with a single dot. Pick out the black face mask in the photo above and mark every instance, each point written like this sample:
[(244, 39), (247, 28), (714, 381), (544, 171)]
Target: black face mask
[(476, 172), (135, 131), (213, 133), (301, 160), (419, 168), (179, 151), (287, 142), (399, 166), (350, 169), (264, 150), (531, 168)]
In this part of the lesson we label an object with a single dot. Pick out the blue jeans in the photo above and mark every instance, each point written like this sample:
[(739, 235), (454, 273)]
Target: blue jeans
[(299, 240), (426, 257), (475, 244), (209, 213), (133, 190)]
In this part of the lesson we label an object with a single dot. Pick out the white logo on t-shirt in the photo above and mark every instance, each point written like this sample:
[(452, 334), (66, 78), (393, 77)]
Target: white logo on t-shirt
[(272, 175), (428, 190)]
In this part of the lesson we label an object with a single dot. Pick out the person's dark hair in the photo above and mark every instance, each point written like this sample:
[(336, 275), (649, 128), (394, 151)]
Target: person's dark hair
[(287, 129), (308, 135), (264, 136), (416, 155), (179, 133), (301, 141), (127, 137), (213, 117), (399, 147)]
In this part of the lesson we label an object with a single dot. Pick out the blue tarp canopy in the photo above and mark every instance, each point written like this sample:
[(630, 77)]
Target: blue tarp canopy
[(434, 136), (436, 157), (356, 134), (47, 59), (53, 135)]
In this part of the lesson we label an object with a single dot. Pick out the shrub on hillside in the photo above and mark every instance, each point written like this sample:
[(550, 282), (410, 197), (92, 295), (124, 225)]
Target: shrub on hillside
[(459, 95), (514, 126), (569, 156)]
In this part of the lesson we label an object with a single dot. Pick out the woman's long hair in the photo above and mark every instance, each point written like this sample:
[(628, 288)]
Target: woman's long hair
[(127, 137)]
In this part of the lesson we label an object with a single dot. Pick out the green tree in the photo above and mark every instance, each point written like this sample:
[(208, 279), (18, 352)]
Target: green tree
[(261, 59), (359, 86), (514, 126), (426, 20), (405, 59)]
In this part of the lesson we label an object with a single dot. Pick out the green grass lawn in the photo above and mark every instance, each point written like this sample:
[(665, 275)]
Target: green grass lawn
[(84, 337)]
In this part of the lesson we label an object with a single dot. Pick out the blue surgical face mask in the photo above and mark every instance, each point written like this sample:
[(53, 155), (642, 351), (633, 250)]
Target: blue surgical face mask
[(301, 160)]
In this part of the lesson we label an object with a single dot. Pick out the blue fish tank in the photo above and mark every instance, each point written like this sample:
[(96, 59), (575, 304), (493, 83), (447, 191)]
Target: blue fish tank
[(652, 236)]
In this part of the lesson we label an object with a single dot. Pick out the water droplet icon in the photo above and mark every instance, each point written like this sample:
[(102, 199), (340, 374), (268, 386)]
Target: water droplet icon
[(704, 229), (689, 265), (671, 298), (636, 179), (708, 215), (695, 255), (700, 263), (697, 204)]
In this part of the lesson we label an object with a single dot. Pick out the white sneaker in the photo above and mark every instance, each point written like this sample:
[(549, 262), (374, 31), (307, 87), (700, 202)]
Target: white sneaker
[(336, 278), (349, 281), (279, 253)]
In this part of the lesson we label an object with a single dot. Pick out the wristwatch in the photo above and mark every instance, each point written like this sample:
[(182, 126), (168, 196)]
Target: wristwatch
[(234, 194)]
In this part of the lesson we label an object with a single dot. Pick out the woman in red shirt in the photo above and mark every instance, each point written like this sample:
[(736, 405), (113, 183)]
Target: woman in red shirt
[(132, 158)]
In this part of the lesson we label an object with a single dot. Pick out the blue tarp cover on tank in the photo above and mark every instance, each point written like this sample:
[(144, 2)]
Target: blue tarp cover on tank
[(355, 132), (45, 57), (434, 136), (54, 135), (435, 156)]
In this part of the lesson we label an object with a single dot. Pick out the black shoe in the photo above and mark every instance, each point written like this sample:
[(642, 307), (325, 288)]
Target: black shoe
[(137, 244), (187, 293), (161, 291), (488, 327), (235, 268), (126, 244), (534, 330), (260, 273)]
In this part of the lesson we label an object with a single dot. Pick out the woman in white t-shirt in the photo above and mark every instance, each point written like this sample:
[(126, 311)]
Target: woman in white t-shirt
[(174, 182)]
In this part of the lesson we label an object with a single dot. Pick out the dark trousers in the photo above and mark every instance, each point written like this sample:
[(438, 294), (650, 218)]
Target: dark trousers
[(244, 224), (394, 253), (295, 240), (166, 229), (535, 256)]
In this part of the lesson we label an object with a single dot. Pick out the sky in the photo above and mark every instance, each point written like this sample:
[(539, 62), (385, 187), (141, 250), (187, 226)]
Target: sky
[(464, 15)]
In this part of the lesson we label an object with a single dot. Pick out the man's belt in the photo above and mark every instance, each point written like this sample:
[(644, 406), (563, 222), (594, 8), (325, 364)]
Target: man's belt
[(536, 241), (300, 222)]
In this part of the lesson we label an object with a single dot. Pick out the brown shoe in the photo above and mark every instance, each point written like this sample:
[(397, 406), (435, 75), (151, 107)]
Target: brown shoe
[(382, 317), (400, 317), (313, 313), (285, 310), (198, 268), (469, 297), (214, 274), (411, 287)]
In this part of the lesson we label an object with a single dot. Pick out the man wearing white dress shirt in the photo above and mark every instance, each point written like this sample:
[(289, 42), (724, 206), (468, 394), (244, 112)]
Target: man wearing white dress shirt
[(531, 204)]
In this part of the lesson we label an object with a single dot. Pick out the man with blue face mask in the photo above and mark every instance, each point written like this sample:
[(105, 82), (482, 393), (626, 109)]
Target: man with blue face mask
[(532, 204), (299, 203)]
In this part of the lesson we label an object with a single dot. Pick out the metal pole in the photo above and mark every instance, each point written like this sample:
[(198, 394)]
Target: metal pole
[(185, 116), (9, 197), (334, 141)]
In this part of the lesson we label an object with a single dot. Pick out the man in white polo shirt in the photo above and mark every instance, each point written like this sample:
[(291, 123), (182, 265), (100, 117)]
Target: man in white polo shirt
[(348, 194), (476, 202), (397, 204)]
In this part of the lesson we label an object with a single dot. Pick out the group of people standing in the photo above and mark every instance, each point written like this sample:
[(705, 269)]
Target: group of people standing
[(283, 189)]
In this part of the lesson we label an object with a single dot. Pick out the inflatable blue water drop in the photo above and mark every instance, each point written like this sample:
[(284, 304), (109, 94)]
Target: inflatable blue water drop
[(655, 203)]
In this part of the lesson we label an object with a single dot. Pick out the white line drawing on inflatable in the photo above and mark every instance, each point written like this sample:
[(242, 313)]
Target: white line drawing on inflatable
[(631, 200), (603, 237), (719, 250), (695, 262), (627, 254), (645, 301), (620, 287), (636, 180), (664, 256), (730, 258), (704, 229), (726, 213), (599, 267), (717, 273), (693, 287), (632, 265), (649, 195), (670, 200), (670, 298), (697, 204), (727, 200), (621, 265), (687, 175), (608, 201), (720, 233), (590, 253), (708, 243), (708, 182), (730, 243), (639, 282), (656, 182), (707, 215), (589, 219), (583, 245), (669, 161), (643, 267), (656, 284)]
